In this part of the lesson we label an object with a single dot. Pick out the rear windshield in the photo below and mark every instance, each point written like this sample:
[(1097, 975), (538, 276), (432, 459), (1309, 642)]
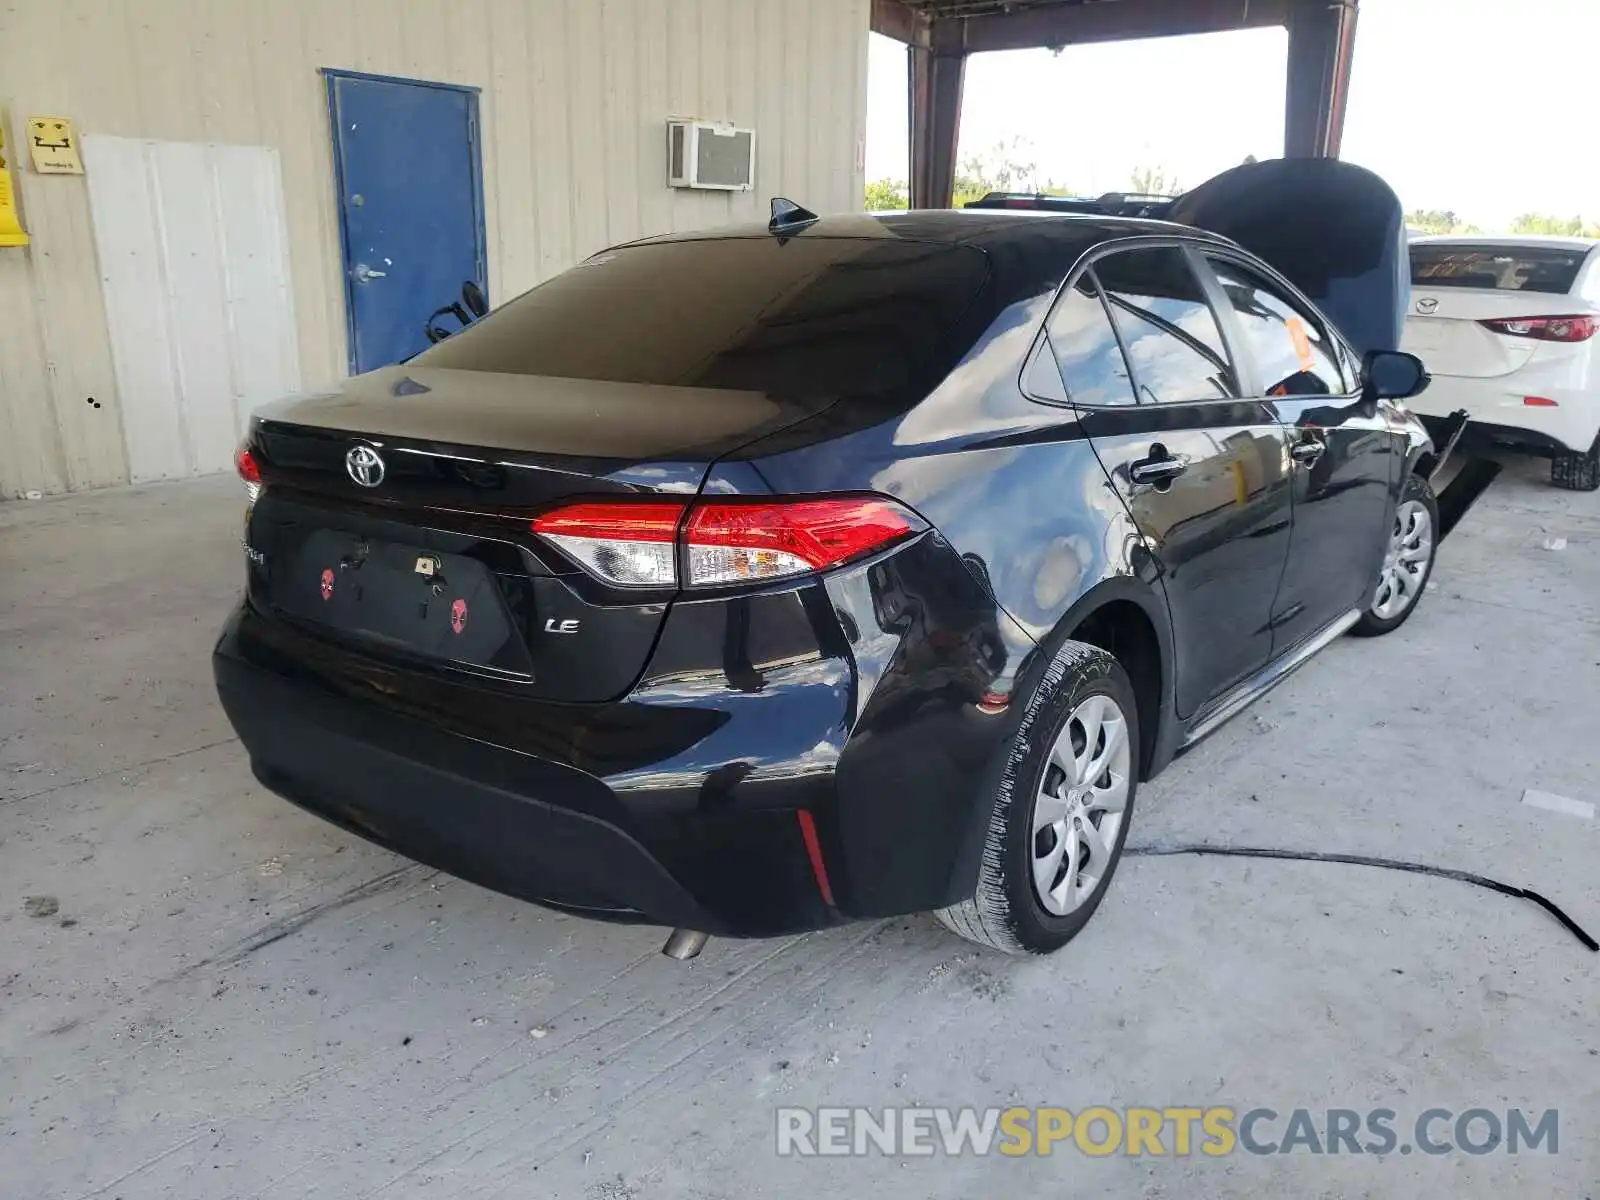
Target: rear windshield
[(1505, 268), (792, 317)]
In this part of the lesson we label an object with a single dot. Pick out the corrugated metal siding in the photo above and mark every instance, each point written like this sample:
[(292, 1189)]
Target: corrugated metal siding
[(576, 94)]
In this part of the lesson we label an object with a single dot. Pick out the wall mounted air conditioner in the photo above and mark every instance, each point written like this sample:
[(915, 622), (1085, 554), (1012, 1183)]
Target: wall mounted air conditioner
[(709, 154)]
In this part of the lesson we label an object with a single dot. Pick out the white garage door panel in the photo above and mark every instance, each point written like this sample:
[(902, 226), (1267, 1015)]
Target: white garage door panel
[(195, 273), (260, 300), (190, 237), (135, 296)]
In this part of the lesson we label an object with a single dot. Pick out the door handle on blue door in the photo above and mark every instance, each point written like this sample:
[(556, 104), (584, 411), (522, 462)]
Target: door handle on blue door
[(1160, 469), (362, 272)]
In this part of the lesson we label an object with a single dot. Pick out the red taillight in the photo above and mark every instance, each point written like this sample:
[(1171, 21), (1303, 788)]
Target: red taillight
[(620, 522), (1539, 402), (635, 544), (249, 470), (1547, 329), (729, 543)]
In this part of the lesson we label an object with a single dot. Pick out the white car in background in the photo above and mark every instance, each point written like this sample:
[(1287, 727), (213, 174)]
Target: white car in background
[(1507, 327)]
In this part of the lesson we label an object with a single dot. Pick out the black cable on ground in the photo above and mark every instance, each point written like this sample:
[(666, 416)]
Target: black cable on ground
[(1361, 860)]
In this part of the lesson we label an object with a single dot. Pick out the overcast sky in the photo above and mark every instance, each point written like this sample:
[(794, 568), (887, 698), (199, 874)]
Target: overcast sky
[(1486, 107)]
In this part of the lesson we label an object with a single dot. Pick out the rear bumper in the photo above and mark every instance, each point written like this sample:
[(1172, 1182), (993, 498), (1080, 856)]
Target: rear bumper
[(528, 827), (853, 700), (1501, 417)]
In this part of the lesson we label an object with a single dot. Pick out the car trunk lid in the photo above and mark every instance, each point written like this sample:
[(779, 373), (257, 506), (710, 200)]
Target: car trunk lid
[(1445, 330), (422, 547), (1457, 285), (489, 441)]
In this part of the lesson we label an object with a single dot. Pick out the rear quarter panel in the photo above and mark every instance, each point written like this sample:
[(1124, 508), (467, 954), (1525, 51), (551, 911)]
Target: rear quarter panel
[(1016, 491)]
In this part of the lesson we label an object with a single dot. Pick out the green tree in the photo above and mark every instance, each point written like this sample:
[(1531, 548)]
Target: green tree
[(1543, 223), (1434, 220), (887, 195), (1004, 167), (1154, 181)]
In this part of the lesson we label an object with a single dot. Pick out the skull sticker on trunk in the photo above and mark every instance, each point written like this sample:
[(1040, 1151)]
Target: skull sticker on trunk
[(327, 583), (458, 615)]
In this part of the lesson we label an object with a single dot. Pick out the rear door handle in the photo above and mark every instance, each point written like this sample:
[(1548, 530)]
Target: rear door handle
[(1307, 452), (1159, 468)]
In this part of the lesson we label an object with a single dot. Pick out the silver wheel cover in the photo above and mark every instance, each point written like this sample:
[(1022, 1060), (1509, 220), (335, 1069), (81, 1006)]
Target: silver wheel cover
[(1405, 565), (1080, 806)]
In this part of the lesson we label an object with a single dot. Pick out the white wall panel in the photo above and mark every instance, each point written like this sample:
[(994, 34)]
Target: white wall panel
[(189, 238), (125, 230), (193, 253), (575, 97), (259, 299)]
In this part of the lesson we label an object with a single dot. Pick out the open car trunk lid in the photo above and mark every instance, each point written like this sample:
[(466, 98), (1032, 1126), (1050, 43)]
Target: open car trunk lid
[(396, 509), (1336, 231)]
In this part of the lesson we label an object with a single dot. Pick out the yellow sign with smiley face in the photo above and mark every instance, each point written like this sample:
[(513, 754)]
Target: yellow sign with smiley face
[(53, 146)]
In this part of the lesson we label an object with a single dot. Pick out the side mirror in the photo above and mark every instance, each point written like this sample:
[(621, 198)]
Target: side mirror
[(1393, 375), (472, 296)]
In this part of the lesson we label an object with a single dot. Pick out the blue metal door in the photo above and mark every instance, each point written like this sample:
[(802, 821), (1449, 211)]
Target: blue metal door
[(410, 184)]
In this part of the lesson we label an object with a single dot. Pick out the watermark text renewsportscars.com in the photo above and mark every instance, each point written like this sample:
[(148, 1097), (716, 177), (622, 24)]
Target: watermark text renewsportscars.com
[(1213, 1132)]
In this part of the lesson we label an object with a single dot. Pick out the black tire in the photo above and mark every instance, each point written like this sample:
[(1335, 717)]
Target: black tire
[(1005, 913), (1372, 624), (1575, 470)]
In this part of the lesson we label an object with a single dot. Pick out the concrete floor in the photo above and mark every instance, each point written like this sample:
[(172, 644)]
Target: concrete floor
[(234, 999)]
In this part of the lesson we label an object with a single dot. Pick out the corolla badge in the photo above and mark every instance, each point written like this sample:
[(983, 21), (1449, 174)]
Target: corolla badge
[(364, 465), (1427, 305)]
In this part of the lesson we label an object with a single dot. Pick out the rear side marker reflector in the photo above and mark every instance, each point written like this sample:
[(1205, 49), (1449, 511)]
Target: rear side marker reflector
[(1539, 402), (637, 544), (819, 869), (1547, 329)]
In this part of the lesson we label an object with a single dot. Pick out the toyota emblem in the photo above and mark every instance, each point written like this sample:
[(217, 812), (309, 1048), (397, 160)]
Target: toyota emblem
[(364, 465), (1427, 306)]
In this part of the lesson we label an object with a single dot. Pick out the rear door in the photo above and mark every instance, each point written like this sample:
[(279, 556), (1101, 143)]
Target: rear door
[(1200, 466), (1457, 286), (1342, 454)]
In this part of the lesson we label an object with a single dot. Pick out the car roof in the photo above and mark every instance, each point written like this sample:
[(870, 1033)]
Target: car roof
[(985, 229), (1547, 241)]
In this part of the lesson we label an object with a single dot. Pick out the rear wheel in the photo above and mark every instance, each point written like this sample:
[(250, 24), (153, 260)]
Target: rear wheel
[(1060, 815), (1577, 471), (1407, 562)]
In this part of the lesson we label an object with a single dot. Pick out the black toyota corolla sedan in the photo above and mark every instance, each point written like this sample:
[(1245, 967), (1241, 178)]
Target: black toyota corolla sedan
[(752, 581)]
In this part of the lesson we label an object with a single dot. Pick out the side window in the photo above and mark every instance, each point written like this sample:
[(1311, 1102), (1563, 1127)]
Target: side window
[(1591, 278), (1085, 348), (1174, 344), (1292, 353)]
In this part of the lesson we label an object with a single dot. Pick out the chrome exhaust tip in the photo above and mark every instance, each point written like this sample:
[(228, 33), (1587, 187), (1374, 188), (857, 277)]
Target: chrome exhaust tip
[(684, 944)]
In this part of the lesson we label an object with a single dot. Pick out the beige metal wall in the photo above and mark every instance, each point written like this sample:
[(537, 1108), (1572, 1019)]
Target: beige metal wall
[(575, 98)]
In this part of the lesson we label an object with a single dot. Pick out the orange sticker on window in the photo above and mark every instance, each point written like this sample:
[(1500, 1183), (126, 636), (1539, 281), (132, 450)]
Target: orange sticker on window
[(1302, 343)]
